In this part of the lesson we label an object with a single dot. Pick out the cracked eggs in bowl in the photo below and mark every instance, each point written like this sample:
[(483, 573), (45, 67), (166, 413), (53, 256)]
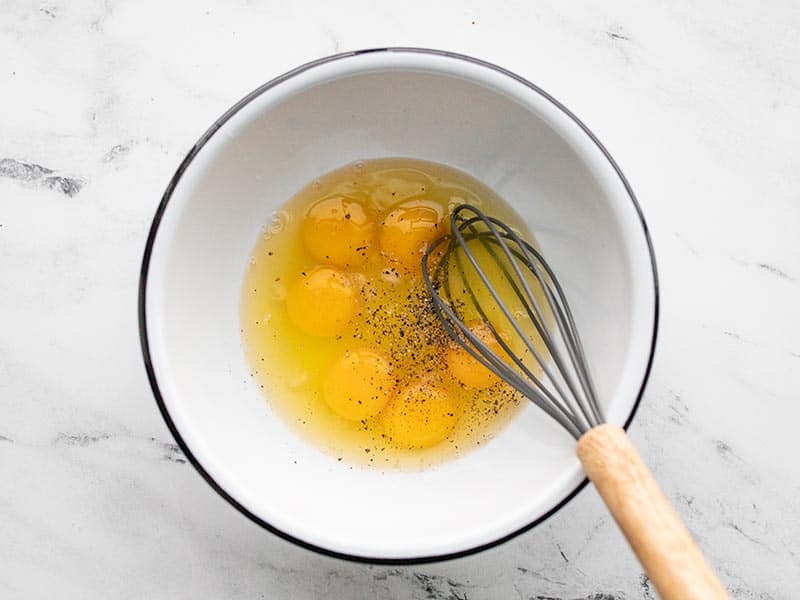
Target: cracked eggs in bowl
[(394, 462)]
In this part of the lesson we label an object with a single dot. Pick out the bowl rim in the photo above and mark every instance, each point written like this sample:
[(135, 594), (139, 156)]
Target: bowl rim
[(145, 265)]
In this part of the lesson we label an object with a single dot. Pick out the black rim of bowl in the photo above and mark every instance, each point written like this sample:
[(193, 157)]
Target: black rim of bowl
[(143, 293)]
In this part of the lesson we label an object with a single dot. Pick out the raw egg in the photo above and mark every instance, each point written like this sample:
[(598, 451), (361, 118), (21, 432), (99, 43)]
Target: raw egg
[(359, 384), (467, 369), (339, 231), (421, 415), (322, 303), (409, 229)]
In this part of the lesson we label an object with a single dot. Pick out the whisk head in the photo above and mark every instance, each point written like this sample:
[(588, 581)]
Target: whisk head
[(483, 272)]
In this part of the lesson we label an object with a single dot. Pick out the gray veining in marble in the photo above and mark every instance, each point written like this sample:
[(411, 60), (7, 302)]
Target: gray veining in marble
[(100, 100)]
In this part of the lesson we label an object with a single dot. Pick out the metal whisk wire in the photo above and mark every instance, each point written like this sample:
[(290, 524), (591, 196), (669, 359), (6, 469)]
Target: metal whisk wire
[(565, 389), (484, 256)]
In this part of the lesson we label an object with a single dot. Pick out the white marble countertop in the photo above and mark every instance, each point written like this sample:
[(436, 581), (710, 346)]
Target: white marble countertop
[(101, 99)]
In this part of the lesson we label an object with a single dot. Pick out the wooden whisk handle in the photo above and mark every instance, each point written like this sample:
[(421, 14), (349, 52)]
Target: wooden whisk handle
[(664, 546)]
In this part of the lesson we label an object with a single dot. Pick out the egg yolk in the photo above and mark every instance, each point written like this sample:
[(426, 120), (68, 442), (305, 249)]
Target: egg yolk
[(359, 384), (409, 229), (420, 416), (338, 231), (322, 303), (467, 369)]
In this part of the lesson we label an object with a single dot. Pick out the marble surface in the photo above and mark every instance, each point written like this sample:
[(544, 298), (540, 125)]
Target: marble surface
[(100, 101)]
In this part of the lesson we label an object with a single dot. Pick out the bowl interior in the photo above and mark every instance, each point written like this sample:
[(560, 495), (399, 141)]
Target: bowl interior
[(427, 106)]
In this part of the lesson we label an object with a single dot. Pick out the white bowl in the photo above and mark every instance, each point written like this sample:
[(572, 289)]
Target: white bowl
[(390, 102)]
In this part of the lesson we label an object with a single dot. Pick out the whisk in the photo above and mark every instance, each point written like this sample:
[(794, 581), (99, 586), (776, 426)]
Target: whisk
[(484, 272)]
